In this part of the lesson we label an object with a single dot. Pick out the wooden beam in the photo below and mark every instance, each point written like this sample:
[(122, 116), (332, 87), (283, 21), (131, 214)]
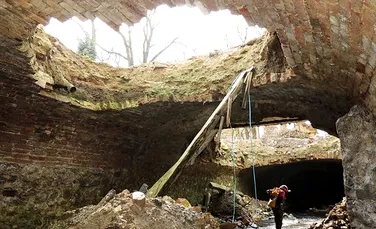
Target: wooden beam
[(201, 140), (247, 89), (228, 116), (220, 127)]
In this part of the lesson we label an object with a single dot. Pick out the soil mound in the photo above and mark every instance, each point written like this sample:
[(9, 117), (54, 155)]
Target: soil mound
[(118, 211)]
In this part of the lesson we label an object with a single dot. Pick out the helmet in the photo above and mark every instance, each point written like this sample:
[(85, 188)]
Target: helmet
[(284, 188)]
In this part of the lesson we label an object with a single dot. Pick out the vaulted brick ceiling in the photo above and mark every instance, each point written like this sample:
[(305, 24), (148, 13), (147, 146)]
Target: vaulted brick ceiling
[(329, 41)]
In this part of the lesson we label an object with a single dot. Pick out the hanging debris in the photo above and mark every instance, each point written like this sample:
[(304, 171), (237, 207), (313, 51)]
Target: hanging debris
[(204, 136)]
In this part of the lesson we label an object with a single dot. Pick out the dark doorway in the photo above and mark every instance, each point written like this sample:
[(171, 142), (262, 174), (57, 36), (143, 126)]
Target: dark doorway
[(315, 183)]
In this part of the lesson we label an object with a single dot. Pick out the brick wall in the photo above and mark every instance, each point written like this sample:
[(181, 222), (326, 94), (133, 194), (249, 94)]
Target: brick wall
[(29, 135), (36, 129)]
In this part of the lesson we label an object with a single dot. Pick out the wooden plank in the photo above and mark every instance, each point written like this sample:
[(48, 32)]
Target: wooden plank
[(247, 89), (228, 116), (220, 127), (201, 140)]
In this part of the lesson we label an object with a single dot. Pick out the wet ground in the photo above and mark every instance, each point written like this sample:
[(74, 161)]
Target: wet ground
[(302, 221)]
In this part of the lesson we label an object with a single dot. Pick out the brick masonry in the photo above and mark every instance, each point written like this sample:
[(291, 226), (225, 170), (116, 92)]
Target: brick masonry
[(331, 45), (59, 157), (332, 41)]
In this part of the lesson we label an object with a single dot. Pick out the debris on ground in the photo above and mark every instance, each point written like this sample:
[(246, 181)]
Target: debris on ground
[(134, 210), (221, 205), (337, 218)]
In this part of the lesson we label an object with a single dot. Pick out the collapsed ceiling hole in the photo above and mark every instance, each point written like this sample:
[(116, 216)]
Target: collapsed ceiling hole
[(190, 33), (314, 184)]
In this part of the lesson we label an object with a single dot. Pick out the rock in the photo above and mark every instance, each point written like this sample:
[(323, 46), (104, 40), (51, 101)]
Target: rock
[(228, 225), (42, 44), (337, 218), (357, 131), (168, 199), (183, 202), (108, 197), (138, 198), (121, 212), (158, 202), (117, 209), (222, 204), (144, 188), (197, 209)]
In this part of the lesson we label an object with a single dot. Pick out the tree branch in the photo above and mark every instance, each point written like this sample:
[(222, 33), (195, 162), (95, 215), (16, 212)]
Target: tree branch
[(128, 46), (242, 38), (164, 49), (82, 28), (112, 52)]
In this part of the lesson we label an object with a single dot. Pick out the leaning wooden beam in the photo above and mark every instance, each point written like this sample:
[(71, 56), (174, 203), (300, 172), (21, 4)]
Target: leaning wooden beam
[(201, 140), (248, 82), (220, 127)]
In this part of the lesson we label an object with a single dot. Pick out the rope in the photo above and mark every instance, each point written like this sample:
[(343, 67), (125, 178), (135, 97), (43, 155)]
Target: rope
[(233, 153), (234, 167), (250, 143)]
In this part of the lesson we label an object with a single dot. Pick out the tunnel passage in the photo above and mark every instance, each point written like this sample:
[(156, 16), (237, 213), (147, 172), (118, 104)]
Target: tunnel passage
[(314, 184)]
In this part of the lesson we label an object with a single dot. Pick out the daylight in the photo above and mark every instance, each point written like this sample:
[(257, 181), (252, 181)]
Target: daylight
[(195, 34)]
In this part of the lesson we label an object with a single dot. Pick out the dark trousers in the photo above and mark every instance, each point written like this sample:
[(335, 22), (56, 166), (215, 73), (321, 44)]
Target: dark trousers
[(278, 216)]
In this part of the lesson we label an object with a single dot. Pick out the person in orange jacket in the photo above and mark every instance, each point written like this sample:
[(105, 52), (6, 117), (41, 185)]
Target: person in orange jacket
[(276, 203)]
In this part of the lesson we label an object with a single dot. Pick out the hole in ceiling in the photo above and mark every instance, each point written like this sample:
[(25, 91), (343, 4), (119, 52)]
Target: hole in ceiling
[(177, 34)]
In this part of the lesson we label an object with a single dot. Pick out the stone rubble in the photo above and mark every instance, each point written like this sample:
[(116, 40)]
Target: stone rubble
[(119, 212), (337, 218)]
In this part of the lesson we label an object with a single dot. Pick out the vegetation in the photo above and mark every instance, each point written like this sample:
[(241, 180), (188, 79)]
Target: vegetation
[(86, 46)]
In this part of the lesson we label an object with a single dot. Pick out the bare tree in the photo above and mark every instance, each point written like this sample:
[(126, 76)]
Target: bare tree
[(148, 31), (242, 34), (127, 41), (109, 55), (149, 28)]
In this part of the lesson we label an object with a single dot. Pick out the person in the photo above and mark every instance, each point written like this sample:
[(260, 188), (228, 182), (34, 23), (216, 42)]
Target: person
[(276, 203)]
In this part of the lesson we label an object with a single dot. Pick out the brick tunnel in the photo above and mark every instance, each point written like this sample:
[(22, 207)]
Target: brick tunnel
[(316, 63)]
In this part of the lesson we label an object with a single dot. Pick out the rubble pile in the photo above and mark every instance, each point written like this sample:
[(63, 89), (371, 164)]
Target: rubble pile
[(336, 219), (222, 206), (122, 211)]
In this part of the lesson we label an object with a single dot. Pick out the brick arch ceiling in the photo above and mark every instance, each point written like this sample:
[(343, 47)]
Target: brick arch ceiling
[(333, 41)]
